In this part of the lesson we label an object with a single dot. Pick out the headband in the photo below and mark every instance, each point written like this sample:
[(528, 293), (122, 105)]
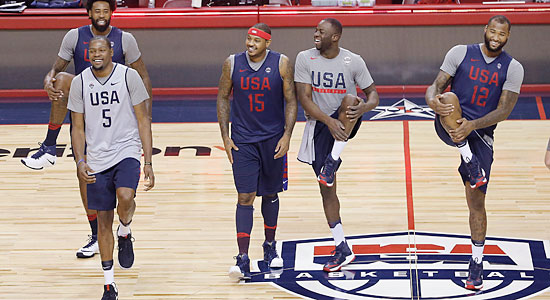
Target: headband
[(259, 33)]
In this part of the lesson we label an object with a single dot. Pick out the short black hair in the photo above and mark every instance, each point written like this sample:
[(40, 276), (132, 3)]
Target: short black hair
[(263, 27), (103, 38), (500, 19), (90, 3), (336, 25)]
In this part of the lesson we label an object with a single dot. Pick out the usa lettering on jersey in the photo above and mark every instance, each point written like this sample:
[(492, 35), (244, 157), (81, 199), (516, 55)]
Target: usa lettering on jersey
[(328, 82)]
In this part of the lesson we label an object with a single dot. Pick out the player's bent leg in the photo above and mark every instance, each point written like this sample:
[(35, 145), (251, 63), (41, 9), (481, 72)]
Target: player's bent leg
[(449, 122), (46, 154), (332, 160), (349, 100), (125, 210)]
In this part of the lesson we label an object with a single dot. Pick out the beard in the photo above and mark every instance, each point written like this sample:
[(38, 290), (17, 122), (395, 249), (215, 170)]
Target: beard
[(98, 68), (488, 45), (101, 28)]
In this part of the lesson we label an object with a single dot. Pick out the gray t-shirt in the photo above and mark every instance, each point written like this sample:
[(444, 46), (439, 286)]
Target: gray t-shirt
[(129, 46), (455, 56), (331, 79), (108, 106)]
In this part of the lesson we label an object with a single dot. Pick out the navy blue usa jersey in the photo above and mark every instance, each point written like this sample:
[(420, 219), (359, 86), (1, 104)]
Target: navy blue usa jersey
[(257, 111), (82, 57), (478, 84)]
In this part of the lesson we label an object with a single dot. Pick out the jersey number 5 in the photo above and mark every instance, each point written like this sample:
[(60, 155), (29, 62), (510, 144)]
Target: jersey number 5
[(106, 119), (256, 104)]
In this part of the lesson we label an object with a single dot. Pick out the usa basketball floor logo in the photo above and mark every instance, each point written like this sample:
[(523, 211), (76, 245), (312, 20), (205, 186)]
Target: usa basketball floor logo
[(390, 266)]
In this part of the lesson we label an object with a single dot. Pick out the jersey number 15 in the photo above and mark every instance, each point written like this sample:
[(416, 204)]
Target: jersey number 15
[(256, 103)]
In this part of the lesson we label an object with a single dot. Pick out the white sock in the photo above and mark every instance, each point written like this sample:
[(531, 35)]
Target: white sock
[(477, 252), (337, 149), (338, 234), (123, 230), (464, 149), (109, 276)]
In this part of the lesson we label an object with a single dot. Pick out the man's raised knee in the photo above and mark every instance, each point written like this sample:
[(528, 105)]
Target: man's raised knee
[(349, 100), (63, 82), (450, 98)]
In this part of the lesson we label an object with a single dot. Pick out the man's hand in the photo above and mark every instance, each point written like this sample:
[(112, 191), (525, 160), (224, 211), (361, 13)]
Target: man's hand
[(53, 93), (337, 129), (440, 108), (354, 112), (228, 145), (82, 171), (282, 146), (462, 132), (149, 177)]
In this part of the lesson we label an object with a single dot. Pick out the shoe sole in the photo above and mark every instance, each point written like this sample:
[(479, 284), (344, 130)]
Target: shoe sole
[(339, 267), (85, 255), (473, 287), (125, 268), (236, 274), (46, 166), (479, 183), (321, 181)]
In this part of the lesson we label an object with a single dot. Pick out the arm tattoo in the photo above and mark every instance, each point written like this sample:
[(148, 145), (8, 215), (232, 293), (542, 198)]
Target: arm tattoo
[(291, 109), (224, 90)]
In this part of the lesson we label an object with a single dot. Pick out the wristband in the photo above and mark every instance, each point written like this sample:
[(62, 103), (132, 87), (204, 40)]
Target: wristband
[(148, 164), (81, 160)]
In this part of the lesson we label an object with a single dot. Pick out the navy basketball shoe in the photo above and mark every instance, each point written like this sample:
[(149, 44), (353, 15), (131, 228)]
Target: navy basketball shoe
[(110, 292), (477, 174), (43, 158), (475, 276), (326, 177), (271, 257), (125, 251), (241, 270), (342, 255), (90, 249)]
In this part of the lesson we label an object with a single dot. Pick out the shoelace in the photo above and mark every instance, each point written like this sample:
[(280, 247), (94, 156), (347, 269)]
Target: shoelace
[(90, 240), (40, 151), (125, 239)]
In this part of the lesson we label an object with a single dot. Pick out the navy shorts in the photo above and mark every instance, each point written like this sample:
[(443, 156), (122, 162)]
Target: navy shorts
[(323, 142), (255, 170), (102, 193), (481, 145)]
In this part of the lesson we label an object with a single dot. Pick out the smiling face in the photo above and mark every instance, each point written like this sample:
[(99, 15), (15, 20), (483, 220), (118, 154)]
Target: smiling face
[(101, 54), (324, 36), (100, 14), (256, 46), (496, 36)]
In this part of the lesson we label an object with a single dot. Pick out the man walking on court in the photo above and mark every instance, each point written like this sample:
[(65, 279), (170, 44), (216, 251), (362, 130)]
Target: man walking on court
[(485, 85), (57, 84), (107, 103), (326, 78), (261, 80)]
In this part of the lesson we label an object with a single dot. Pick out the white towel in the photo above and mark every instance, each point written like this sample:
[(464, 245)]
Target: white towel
[(306, 153)]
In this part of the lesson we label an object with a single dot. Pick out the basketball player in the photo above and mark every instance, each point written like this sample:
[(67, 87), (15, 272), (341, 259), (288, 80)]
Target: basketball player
[(326, 79), (109, 115), (261, 80), (57, 83), (485, 84)]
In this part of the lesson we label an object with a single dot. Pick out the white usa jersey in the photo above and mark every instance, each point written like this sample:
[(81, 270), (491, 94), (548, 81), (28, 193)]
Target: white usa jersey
[(111, 126)]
